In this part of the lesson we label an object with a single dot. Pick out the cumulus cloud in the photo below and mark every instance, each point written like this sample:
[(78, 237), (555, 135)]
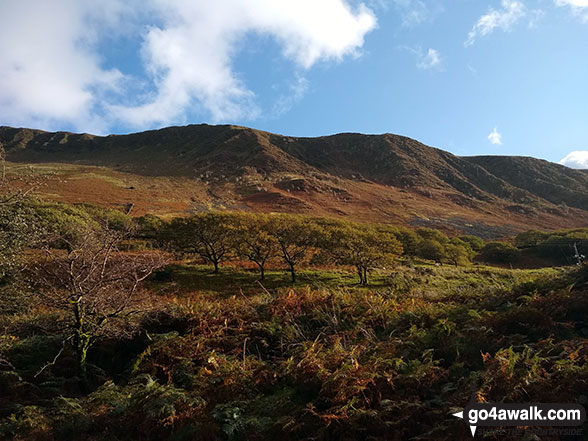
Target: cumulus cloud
[(577, 159), (48, 69), (429, 60), (505, 18), (495, 137), (51, 67)]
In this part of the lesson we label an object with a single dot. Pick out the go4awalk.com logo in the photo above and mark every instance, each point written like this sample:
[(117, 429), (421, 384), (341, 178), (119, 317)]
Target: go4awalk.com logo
[(503, 415)]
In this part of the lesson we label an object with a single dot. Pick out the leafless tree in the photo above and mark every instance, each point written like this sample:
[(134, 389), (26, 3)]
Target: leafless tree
[(96, 286)]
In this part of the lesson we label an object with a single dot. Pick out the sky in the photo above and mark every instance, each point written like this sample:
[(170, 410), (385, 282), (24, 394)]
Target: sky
[(499, 77)]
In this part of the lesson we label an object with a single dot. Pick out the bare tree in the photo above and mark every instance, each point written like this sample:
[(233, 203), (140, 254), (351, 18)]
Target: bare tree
[(96, 286)]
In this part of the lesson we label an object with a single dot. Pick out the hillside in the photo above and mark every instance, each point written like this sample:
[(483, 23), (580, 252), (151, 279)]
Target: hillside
[(365, 177)]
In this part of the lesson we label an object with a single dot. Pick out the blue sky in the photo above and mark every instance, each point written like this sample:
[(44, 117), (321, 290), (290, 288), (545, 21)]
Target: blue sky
[(468, 76)]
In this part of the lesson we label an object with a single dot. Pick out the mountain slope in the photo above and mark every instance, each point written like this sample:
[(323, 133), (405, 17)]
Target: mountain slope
[(384, 177), (552, 182)]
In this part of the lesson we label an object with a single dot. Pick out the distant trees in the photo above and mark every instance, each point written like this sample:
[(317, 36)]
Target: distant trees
[(437, 246), (296, 236), (262, 238), (458, 252), (408, 238), (254, 240), (363, 247), (150, 227), (475, 243), (432, 244), (499, 252), (530, 238), (431, 249), (564, 247), (208, 235)]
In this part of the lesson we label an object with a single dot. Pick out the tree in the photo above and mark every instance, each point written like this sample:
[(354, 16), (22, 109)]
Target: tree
[(409, 240), (96, 287), (499, 252), (150, 227), (295, 236), (209, 235), (254, 242), (530, 238), (431, 249), (63, 223), (364, 248), (457, 254), (475, 243), (431, 234)]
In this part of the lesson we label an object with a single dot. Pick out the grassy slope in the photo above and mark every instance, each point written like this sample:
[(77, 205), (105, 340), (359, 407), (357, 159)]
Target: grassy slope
[(367, 202)]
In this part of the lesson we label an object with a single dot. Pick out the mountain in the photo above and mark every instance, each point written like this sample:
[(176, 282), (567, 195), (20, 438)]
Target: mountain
[(365, 177)]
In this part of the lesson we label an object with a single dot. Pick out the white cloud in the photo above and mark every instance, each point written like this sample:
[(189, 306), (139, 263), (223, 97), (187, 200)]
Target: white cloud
[(48, 70), (575, 3), (413, 12), (577, 159), (430, 60), (579, 7), (505, 18), (296, 91), (51, 68), (495, 137)]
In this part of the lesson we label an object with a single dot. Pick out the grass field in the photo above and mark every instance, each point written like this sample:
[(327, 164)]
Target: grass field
[(424, 280)]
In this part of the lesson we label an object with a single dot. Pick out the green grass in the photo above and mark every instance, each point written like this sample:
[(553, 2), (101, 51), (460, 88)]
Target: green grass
[(422, 280)]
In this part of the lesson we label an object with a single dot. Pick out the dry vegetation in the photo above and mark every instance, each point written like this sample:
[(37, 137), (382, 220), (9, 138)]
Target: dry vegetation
[(384, 331), (362, 177), (224, 324)]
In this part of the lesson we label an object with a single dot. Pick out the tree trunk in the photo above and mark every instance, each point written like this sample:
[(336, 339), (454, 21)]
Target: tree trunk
[(360, 274), (262, 271), (365, 281), (83, 343), (293, 273), (215, 263)]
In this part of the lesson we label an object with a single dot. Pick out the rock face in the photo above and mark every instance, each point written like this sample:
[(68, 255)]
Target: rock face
[(383, 177)]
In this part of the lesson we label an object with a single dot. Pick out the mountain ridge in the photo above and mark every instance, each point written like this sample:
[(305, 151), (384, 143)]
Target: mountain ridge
[(341, 173)]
